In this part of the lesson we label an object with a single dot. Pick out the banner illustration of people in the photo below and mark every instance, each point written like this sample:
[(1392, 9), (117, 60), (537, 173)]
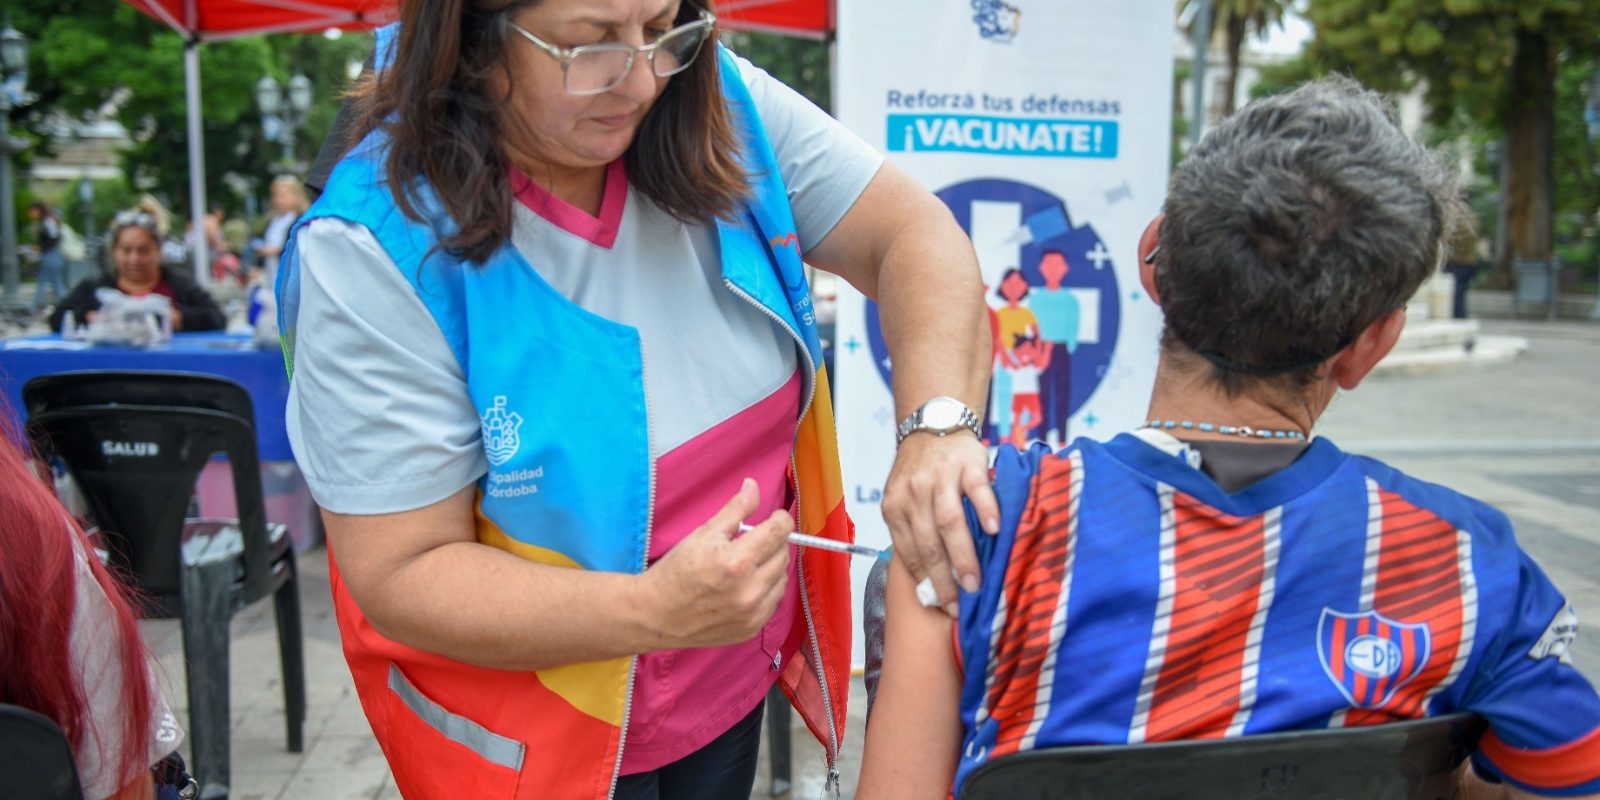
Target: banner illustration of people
[(1055, 327)]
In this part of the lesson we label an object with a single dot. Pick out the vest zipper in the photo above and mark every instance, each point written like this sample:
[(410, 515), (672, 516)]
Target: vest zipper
[(832, 781), (644, 561)]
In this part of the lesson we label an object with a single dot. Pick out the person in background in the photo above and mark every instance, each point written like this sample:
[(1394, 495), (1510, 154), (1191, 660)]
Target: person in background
[(236, 238), (225, 265), (556, 295), (1221, 572), (136, 271), (1462, 264), (52, 265), (288, 203), (70, 647)]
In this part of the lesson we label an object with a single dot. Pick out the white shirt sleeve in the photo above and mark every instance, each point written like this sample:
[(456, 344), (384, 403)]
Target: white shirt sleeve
[(277, 232), (96, 657), (379, 416), (825, 166)]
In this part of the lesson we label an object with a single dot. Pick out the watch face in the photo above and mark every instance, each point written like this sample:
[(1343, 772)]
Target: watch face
[(942, 414)]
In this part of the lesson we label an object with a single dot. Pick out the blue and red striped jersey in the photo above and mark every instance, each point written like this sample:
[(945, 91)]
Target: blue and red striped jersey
[(1129, 599)]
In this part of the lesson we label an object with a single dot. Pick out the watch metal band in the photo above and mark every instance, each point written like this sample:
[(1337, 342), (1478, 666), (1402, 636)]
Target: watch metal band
[(913, 422)]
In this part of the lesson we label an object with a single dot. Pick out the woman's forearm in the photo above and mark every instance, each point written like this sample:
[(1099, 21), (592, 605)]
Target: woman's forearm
[(930, 302), (900, 246), (487, 607), (422, 579)]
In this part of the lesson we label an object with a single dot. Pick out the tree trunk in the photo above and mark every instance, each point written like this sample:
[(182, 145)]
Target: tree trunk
[(1530, 143), (1236, 31)]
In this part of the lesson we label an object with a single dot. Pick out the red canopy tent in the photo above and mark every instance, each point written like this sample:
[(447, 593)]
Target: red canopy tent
[(215, 20), (812, 19), (200, 21)]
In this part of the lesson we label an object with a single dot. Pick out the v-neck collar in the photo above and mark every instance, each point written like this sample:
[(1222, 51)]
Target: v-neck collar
[(1318, 463), (600, 231)]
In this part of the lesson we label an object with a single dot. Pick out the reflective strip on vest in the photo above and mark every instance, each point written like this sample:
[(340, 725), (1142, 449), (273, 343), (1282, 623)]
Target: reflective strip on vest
[(488, 745)]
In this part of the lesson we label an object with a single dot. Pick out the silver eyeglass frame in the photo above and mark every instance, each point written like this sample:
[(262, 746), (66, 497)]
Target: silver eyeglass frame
[(565, 55)]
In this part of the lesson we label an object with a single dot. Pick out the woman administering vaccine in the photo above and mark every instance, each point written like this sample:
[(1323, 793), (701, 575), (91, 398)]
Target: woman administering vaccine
[(552, 344)]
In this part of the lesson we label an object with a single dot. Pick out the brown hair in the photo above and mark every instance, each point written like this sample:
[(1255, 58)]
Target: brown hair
[(446, 127)]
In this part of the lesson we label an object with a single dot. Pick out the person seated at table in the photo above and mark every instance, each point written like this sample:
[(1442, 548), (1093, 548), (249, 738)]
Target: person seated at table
[(69, 646), (137, 271), (1221, 573)]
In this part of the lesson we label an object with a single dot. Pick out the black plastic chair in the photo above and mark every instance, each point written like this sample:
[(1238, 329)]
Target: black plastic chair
[(35, 758), (137, 464), (1414, 760), (120, 387), (779, 753)]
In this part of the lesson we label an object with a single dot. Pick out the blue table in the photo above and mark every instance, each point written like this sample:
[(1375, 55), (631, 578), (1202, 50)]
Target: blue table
[(259, 370)]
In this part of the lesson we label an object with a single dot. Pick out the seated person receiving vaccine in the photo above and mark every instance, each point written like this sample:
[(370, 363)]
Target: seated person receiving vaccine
[(1220, 573)]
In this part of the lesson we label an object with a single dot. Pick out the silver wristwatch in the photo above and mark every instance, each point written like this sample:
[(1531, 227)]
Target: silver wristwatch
[(941, 416)]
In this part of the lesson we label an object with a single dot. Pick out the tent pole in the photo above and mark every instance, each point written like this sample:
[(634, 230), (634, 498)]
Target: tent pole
[(197, 161)]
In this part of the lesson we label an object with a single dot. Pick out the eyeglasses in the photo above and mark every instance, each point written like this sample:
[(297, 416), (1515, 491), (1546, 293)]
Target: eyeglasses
[(598, 68), (134, 219)]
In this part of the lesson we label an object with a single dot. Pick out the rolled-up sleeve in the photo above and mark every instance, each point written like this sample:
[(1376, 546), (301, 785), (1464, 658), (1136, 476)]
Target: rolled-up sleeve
[(379, 415), (825, 166)]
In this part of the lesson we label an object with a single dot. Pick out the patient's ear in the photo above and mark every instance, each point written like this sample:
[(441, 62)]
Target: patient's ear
[(1352, 364), (1149, 243)]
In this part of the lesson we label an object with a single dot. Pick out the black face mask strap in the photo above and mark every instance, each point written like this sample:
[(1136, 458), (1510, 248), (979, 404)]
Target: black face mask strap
[(1270, 370)]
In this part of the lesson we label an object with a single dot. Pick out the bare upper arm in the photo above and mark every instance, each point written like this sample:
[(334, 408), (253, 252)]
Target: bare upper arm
[(893, 204), (914, 735), (370, 548)]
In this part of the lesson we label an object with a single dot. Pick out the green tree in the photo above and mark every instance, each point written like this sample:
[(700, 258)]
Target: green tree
[(800, 63), (1577, 167), (1495, 60), (89, 56), (1237, 19)]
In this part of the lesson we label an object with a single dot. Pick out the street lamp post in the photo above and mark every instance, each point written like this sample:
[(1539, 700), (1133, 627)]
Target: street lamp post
[(283, 111), (86, 202), (13, 80), (1202, 39)]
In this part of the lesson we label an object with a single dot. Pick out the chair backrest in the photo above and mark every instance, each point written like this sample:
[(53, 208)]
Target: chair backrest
[(137, 466), (1402, 760), (35, 758), (127, 387)]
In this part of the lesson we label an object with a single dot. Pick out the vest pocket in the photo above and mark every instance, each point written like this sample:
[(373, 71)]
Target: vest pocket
[(434, 752)]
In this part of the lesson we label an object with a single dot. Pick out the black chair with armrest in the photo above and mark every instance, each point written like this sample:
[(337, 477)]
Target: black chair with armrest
[(1413, 760), (136, 465), (36, 760)]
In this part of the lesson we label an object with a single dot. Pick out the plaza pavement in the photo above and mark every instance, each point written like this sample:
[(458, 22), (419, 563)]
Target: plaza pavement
[(1524, 436)]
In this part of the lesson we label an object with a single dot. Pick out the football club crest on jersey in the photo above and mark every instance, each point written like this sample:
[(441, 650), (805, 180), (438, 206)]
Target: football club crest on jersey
[(1369, 656), (500, 438)]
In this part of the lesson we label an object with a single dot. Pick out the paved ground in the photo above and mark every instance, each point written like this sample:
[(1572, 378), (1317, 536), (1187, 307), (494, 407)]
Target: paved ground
[(1524, 436)]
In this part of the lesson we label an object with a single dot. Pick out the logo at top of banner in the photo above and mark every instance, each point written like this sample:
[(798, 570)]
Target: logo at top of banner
[(997, 21), (1054, 307)]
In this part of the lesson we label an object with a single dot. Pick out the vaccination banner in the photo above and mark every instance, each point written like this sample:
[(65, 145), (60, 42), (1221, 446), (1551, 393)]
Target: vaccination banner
[(1046, 127)]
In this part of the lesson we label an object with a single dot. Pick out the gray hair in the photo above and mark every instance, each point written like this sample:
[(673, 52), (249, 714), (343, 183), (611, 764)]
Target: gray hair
[(1293, 226)]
